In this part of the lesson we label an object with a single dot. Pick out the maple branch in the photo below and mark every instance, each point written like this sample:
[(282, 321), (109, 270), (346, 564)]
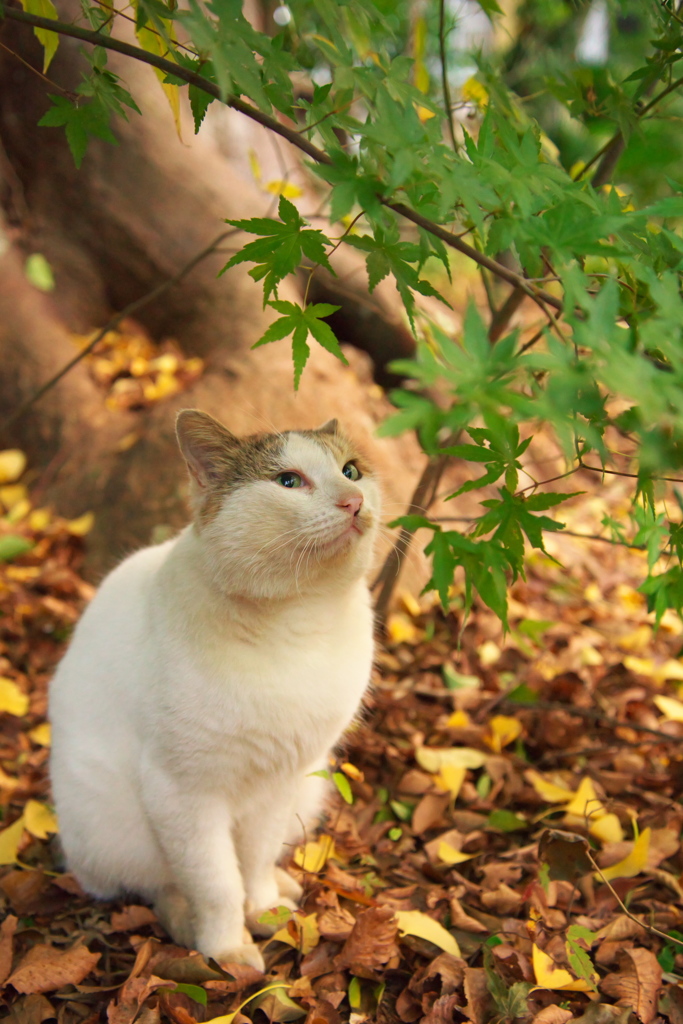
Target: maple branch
[(421, 499), (291, 135), (112, 324)]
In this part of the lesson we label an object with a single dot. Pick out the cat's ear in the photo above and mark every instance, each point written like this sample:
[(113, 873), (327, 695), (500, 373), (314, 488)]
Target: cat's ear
[(331, 427), (206, 445)]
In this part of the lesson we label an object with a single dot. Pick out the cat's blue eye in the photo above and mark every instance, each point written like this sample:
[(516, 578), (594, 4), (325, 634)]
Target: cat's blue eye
[(351, 471), (288, 479)]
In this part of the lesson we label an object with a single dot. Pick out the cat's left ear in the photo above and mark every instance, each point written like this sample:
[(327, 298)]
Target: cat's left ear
[(207, 446), (331, 427)]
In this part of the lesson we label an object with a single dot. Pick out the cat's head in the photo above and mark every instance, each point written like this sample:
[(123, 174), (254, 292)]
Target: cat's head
[(280, 513)]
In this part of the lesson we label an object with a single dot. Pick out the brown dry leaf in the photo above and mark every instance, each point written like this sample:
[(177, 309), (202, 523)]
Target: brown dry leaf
[(371, 944), (552, 1014), (619, 928), (132, 917), (32, 1009), (565, 853), (479, 1007), (7, 930), (336, 923), (429, 812), (45, 969), (638, 982), (125, 1009), (461, 919)]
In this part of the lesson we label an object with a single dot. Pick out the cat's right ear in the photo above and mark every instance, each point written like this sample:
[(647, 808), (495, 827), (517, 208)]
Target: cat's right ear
[(206, 446)]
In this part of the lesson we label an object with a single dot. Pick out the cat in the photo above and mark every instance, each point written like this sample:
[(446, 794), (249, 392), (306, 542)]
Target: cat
[(208, 679)]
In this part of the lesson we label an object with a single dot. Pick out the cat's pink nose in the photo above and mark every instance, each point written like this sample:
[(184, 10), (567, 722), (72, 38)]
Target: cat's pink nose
[(352, 504)]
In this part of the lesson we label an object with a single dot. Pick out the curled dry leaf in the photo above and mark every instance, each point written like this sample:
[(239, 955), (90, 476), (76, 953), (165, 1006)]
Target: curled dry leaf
[(371, 944), (565, 853), (132, 917), (637, 983), (7, 930), (45, 969), (552, 1014)]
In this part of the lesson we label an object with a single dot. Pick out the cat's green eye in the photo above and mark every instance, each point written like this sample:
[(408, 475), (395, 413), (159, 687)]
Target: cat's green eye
[(288, 479), (351, 471)]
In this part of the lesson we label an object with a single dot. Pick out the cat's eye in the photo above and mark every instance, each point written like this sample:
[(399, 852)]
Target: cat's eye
[(288, 479), (351, 471)]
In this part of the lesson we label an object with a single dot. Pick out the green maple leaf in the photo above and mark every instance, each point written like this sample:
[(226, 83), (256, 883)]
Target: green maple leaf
[(80, 121), (299, 322), (281, 248)]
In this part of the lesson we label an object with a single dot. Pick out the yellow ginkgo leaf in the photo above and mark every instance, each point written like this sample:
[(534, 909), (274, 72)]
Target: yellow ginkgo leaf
[(12, 494), (634, 862), (449, 855), (7, 782), (414, 922), (410, 604), (278, 187), (401, 630), (315, 854), (489, 653), (423, 113), (548, 975), (9, 841), (671, 669), (459, 720), (432, 759), (549, 791), (671, 708), (607, 829), (254, 164), (450, 778), (352, 772), (585, 803), (39, 519), (502, 730), (84, 524), (12, 464), (12, 700), (307, 933), (39, 820), (41, 734)]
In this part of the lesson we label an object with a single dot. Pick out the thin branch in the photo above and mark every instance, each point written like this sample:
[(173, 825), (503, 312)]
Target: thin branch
[(444, 72), (35, 71), (422, 498), (291, 135), (634, 476), (112, 324), (646, 927)]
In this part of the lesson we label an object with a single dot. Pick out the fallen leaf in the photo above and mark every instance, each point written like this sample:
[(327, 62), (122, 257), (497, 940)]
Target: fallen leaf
[(637, 983), (501, 731), (133, 917), (607, 829), (432, 759), (566, 854), (449, 855), (414, 922), (671, 708), (633, 863), (41, 734), (79, 527), (7, 930), (547, 789), (12, 700), (12, 465), (371, 944), (45, 969), (459, 720), (301, 932), (315, 854), (39, 820), (401, 629), (10, 838), (549, 975), (451, 779)]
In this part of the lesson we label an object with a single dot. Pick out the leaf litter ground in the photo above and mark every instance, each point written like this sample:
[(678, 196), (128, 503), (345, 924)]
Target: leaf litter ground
[(512, 850)]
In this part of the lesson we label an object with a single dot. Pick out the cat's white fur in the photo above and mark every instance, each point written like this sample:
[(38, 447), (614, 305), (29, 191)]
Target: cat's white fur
[(207, 679)]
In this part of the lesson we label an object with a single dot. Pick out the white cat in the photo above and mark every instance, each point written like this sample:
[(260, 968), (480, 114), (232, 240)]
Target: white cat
[(210, 676)]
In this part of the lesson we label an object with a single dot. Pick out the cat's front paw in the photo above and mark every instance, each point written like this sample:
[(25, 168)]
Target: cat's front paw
[(287, 886), (248, 953)]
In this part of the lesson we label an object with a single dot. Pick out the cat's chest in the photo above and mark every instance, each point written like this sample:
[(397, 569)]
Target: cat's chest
[(286, 697)]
